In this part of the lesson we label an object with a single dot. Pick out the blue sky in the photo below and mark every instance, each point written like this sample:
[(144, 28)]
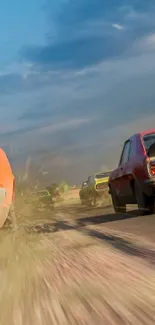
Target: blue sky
[(76, 79)]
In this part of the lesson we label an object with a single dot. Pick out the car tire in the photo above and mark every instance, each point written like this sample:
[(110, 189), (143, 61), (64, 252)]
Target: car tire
[(141, 199), (118, 207), (150, 204), (91, 203), (82, 202)]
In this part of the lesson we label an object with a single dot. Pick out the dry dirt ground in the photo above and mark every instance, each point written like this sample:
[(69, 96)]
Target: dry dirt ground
[(77, 266)]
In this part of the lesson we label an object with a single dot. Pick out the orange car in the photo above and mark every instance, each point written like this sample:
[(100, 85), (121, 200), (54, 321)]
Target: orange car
[(7, 189)]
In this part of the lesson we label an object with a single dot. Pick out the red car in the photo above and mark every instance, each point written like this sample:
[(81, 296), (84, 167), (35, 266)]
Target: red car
[(133, 182)]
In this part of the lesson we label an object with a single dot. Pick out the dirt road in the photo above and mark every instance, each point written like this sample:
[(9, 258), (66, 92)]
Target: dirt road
[(77, 217), (78, 266)]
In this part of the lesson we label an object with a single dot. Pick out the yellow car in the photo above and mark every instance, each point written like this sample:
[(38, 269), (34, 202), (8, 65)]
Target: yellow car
[(94, 188), (101, 181)]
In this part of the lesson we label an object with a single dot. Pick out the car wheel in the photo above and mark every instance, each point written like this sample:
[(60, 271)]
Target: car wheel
[(150, 204), (118, 207), (141, 199)]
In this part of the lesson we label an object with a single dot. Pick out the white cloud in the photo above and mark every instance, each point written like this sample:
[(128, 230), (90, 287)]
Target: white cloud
[(118, 26), (16, 68), (149, 42), (73, 123), (145, 45), (92, 88)]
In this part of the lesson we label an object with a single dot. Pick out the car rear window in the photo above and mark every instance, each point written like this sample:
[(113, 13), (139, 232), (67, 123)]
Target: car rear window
[(102, 175), (148, 140), (40, 194)]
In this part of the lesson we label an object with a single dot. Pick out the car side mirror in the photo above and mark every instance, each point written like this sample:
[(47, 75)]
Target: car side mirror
[(151, 150)]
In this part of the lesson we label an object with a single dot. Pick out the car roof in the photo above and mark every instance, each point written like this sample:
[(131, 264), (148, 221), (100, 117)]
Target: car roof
[(100, 173), (142, 133), (41, 191), (147, 132)]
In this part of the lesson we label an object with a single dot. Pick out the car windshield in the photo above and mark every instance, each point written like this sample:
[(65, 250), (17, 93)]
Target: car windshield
[(102, 175), (149, 139)]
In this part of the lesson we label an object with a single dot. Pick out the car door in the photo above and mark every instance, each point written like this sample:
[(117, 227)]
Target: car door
[(89, 186), (122, 186), (91, 181), (127, 172)]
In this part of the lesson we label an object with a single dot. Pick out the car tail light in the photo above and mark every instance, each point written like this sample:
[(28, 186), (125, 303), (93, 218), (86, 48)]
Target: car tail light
[(152, 168), (101, 186)]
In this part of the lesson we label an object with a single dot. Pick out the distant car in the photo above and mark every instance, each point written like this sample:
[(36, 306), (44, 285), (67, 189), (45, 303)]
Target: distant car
[(83, 192), (133, 182), (94, 188), (101, 181), (40, 194), (54, 192), (41, 199)]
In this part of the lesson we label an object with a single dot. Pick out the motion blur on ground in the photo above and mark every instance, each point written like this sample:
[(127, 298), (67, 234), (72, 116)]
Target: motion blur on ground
[(75, 264)]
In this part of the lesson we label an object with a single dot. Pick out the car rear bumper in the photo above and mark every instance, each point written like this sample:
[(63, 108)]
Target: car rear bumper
[(101, 187)]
